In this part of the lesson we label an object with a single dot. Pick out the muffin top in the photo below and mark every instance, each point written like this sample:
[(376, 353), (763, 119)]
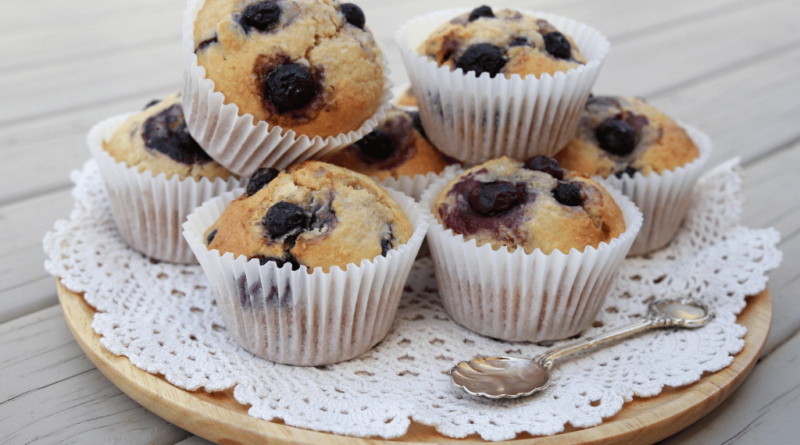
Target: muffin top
[(532, 204), (313, 215), (622, 135), (311, 66), (407, 98), (505, 41), (398, 147), (157, 140)]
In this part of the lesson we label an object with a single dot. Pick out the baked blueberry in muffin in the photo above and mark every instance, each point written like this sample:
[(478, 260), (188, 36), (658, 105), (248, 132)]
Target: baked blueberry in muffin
[(398, 147), (313, 215), (501, 42), (620, 135), (157, 140), (529, 205), (305, 65)]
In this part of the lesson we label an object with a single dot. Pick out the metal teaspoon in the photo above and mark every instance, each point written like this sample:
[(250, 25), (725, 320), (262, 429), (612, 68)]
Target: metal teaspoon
[(512, 377)]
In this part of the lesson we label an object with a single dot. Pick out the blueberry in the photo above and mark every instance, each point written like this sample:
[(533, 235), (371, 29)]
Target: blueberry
[(482, 58), (166, 132), (557, 45), (568, 194), (519, 41), (417, 123), (260, 179), (280, 261), (290, 87), (386, 246), (263, 16), (376, 145), (210, 237), (494, 198), (151, 103), (545, 164), (616, 136), (630, 171), (481, 11), (286, 218), (206, 43), (354, 15)]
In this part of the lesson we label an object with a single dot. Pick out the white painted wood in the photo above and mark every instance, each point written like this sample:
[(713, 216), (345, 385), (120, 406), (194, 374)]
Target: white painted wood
[(194, 440), (762, 411), (52, 393), (24, 285)]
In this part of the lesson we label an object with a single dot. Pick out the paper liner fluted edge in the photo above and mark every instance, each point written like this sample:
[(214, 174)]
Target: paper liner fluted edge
[(300, 318), (235, 141), (475, 119), (149, 210), (516, 296), (664, 199), (415, 186)]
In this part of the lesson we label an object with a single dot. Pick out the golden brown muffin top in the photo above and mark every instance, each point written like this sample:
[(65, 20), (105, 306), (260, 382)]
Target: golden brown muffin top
[(311, 66), (397, 147), (620, 135), (530, 205), (314, 215), (157, 140), (505, 41)]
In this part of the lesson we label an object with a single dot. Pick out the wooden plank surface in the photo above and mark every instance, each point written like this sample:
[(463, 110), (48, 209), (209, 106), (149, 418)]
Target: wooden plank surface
[(58, 396)]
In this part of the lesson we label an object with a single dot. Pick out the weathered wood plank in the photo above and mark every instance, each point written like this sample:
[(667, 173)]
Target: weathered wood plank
[(763, 410), (667, 59), (24, 284), (58, 396)]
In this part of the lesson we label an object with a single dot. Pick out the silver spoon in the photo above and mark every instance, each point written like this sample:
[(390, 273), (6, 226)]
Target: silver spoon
[(512, 377)]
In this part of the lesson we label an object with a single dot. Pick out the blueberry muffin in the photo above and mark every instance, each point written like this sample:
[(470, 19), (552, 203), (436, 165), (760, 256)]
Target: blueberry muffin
[(311, 66), (503, 42), (157, 140), (620, 135), (398, 147), (529, 205), (313, 215)]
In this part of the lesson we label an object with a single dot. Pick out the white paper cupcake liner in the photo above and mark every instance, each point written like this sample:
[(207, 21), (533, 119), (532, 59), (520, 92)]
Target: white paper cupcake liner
[(664, 199), (149, 210), (516, 296), (301, 318), (236, 142), (415, 186), (477, 119)]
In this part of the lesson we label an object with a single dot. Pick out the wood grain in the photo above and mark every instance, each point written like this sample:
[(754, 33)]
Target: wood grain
[(221, 419), (52, 393)]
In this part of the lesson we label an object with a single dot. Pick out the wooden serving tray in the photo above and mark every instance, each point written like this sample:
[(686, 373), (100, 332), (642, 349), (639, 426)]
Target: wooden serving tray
[(219, 418)]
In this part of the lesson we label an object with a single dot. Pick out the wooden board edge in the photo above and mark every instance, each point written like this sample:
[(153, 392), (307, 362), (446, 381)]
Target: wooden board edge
[(228, 427)]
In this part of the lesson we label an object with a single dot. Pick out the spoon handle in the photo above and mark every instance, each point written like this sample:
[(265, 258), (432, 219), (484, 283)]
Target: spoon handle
[(627, 330)]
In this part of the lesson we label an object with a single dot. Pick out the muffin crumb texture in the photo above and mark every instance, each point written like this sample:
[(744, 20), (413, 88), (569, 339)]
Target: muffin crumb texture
[(530, 205), (501, 42), (397, 147), (314, 215), (304, 65), (624, 135), (157, 140)]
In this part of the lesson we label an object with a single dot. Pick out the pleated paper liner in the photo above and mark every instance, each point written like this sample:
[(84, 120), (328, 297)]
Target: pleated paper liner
[(237, 142), (517, 296), (664, 199), (148, 209), (301, 318), (475, 119)]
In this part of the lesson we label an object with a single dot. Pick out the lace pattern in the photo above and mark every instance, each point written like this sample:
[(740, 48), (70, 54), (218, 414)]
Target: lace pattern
[(164, 319)]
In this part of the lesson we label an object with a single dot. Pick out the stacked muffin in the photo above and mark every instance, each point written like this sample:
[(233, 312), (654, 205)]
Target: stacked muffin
[(308, 258)]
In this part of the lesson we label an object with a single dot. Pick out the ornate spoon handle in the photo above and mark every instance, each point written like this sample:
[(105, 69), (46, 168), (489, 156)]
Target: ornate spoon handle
[(661, 314)]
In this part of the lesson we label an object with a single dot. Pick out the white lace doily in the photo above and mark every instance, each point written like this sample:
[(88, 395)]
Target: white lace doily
[(164, 319)]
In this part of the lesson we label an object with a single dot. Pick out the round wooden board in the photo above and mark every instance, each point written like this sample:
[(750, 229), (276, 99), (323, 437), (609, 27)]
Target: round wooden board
[(219, 418)]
